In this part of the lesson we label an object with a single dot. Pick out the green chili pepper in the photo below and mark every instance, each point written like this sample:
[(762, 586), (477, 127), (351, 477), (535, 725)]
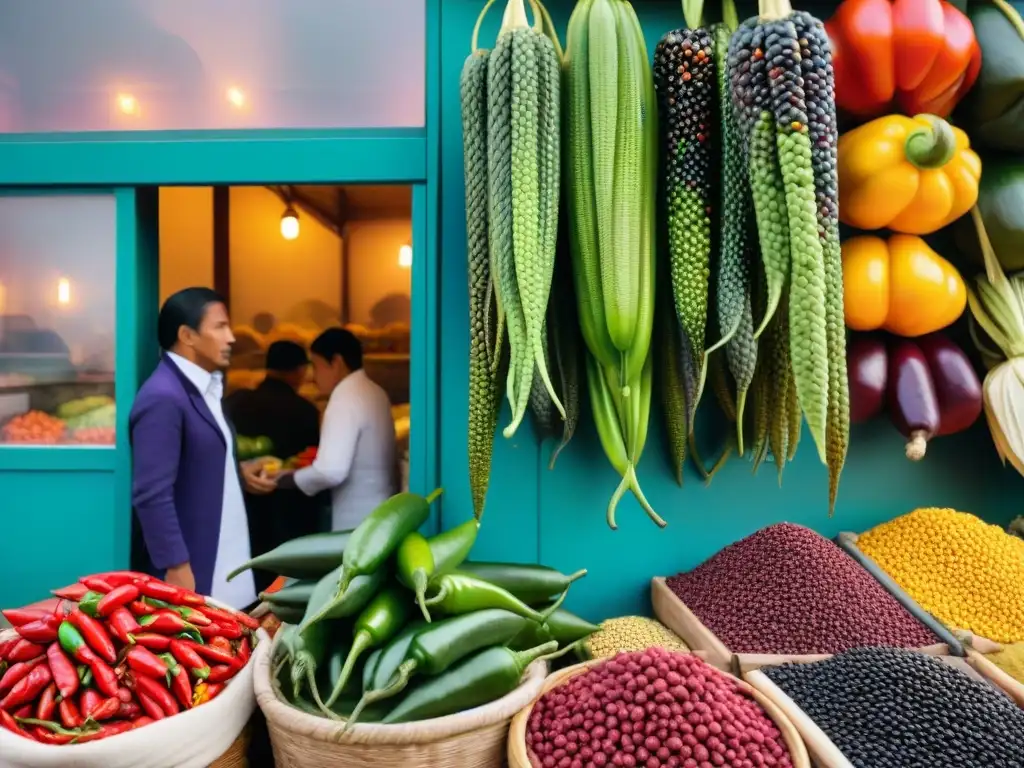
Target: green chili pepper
[(380, 621), (479, 679), (287, 614), (328, 602), (415, 566), (89, 602), (369, 667), (307, 557), (452, 547), (530, 583), (434, 649), (561, 626), (308, 652), (393, 654), (294, 595), (460, 593), (379, 534)]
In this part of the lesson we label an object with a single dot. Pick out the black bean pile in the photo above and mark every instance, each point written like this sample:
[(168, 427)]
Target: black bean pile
[(893, 708), (786, 589)]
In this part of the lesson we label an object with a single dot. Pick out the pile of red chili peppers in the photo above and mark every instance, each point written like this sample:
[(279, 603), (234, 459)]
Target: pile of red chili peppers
[(119, 651)]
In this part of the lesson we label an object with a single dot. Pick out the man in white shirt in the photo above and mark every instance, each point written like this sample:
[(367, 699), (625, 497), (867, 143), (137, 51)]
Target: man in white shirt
[(356, 457), (186, 479)]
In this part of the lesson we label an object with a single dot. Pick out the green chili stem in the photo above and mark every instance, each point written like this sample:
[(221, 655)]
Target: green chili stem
[(360, 643)]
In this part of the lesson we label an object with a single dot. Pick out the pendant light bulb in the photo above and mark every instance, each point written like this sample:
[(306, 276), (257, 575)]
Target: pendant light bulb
[(405, 256), (289, 224)]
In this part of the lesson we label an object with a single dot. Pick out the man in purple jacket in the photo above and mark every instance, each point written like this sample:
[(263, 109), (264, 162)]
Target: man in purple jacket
[(186, 481)]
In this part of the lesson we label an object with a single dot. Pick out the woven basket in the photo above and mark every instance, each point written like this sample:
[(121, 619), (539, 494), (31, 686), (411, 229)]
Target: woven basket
[(472, 739), (237, 755), (519, 754)]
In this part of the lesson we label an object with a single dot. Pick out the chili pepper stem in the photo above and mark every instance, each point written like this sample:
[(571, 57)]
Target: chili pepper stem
[(555, 605), (54, 727), (360, 643), (932, 146), (395, 686), (419, 585), (434, 495), (442, 593)]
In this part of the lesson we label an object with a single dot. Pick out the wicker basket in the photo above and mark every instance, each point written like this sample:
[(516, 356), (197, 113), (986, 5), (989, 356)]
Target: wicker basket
[(237, 755), (472, 739), (519, 754)]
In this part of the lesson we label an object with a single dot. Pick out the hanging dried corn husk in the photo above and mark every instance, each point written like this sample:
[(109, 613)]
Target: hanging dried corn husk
[(997, 307)]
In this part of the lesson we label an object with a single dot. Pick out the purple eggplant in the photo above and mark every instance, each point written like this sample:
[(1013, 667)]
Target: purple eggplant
[(932, 390), (867, 369)]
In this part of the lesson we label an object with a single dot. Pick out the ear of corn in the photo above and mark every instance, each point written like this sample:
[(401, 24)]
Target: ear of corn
[(483, 382), (610, 157)]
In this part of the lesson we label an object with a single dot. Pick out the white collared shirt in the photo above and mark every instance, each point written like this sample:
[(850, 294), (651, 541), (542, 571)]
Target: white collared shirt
[(356, 458), (233, 539)]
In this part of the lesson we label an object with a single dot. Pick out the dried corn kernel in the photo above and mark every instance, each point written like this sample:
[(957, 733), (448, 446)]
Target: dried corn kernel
[(1010, 660), (632, 633), (967, 573)]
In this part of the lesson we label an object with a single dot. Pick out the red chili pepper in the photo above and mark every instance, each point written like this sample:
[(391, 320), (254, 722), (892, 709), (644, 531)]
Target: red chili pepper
[(125, 695), (41, 631), (166, 623), (244, 650), (128, 710), (105, 709), (139, 608), (192, 600), (74, 592), (25, 711), (213, 689), (236, 617), (214, 654), (222, 673), (116, 580), (18, 672), (65, 675), (88, 701), (138, 722), (161, 590), (44, 736), (192, 615), (7, 645), (95, 635), (181, 686), (27, 688), (122, 624), (152, 641), (224, 644), (231, 630), (133, 575), (105, 678), (145, 662), (70, 717), (47, 702), (19, 616), (116, 598), (96, 584), (189, 659), (149, 687), (8, 722), (72, 642), (150, 707), (24, 650), (108, 730)]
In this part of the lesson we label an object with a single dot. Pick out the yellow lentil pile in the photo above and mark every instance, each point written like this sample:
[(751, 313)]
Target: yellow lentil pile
[(1010, 660), (967, 573), (632, 633)]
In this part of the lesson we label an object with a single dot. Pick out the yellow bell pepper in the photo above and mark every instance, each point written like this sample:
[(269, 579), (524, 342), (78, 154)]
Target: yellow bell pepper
[(912, 175), (901, 286)]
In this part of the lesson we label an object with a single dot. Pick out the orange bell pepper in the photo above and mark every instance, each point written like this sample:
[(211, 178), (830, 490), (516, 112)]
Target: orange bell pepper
[(900, 285), (912, 55), (910, 175)]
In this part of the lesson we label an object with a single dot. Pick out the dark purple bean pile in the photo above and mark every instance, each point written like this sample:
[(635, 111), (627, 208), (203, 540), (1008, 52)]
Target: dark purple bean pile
[(786, 589), (653, 709), (893, 708)]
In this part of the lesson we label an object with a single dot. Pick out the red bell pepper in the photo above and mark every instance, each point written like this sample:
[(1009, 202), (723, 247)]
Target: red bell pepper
[(189, 659), (18, 672), (70, 717), (117, 597), (19, 616), (73, 592), (154, 690), (96, 584), (65, 675), (150, 707), (143, 661), (912, 56), (26, 689), (42, 631), (47, 702), (152, 641), (122, 624), (95, 635), (24, 650)]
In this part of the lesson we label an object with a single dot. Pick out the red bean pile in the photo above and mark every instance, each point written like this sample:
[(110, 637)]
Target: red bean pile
[(786, 589), (652, 709)]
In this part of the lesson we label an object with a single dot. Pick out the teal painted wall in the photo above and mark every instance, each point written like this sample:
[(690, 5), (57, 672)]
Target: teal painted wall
[(557, 517)]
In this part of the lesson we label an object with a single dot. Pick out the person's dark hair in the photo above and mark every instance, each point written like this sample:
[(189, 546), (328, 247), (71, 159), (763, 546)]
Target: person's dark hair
[(186, 307), (285, 356), (338, 341)]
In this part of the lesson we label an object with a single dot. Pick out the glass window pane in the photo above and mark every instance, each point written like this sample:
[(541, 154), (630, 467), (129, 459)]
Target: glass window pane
[(57, 269), (112, 65)]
